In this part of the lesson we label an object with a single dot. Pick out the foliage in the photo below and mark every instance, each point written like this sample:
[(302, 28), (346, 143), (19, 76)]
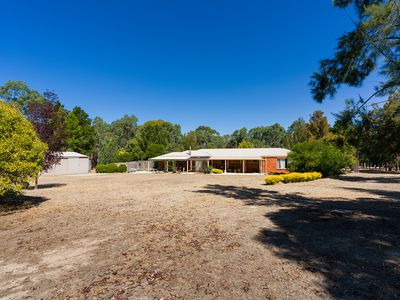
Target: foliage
[(80, 132), (297, 132), (21, 151), (203, 137), (267, 136), (48, 118), (19, 94), (207, 170), (292, 177), (216, 171), (246, 144), (273, 179), (319, 156), (124, 130), (318, 126), (374, 43), (111, 168), (237, 137), (374, 132), (155, 138)]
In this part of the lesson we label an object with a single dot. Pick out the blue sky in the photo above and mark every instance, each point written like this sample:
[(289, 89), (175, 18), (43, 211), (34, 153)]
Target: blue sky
[(223, 63)]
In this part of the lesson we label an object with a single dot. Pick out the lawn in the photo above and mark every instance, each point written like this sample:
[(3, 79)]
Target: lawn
[(174, 236)]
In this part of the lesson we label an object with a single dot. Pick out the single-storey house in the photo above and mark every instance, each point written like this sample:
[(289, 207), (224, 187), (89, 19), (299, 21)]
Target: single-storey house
[(230, 160), (71, 163)]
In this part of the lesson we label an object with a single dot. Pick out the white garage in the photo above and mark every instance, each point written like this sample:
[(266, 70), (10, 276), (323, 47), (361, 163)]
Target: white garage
[(71, 163)]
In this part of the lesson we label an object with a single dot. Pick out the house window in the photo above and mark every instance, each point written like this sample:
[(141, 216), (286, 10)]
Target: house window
[(281, 163)]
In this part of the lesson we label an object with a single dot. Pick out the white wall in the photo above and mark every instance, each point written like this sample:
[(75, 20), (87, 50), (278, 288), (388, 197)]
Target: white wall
[(71, 165)]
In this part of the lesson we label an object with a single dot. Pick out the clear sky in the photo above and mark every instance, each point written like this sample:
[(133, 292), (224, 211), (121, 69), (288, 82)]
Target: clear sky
[(223, 63)]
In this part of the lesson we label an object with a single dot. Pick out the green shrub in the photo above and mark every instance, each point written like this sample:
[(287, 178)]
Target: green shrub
[(207, 170), (21, 151), (110, 168), (217, 171), (319, 156), (292, 177)]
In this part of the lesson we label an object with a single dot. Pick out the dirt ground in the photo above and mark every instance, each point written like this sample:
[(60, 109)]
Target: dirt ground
[(171, 236)]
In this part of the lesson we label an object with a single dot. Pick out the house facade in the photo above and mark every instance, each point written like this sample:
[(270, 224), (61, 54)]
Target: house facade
[(230, 160)]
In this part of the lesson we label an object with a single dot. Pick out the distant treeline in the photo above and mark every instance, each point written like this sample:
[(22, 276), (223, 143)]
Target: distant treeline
[(373, 132)]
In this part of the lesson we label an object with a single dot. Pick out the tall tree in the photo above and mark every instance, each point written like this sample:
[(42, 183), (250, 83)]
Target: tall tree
[(318, 125), (297, 132), (18, 93), (124, 129), (80, 132), (267, 136), (203, 137), (48, 118), (156, 137), (374, 43), (237, 137)]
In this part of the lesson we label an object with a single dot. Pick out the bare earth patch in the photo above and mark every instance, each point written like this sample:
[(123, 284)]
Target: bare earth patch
[(153, 236)]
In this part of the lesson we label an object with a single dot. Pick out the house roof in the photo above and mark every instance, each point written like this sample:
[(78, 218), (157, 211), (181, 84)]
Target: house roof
[(69, 154), (228, 153)]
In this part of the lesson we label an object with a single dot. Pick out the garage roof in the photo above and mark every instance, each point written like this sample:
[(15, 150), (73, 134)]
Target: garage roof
[(69, 154)]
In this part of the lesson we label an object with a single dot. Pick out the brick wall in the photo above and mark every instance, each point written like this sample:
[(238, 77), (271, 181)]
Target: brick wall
[(269, 166)]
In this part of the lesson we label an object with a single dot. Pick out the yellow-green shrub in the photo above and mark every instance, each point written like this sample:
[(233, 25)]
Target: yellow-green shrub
[(217, 171), (21, 151), (292, 177), (273, 179)]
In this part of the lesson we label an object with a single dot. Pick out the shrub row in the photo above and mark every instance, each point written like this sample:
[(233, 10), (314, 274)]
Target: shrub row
[(292, 177), (217, 171), (110, 168)]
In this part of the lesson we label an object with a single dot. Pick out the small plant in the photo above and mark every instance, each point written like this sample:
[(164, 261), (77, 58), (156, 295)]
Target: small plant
[(207, 170), (110, 168), (292, 177), (217, 171)]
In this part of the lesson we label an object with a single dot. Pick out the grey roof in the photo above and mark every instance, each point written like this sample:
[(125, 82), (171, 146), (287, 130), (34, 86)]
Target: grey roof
[(228, 153), (69, 154)]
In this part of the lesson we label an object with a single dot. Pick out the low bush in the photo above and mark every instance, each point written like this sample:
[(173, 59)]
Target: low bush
[(207, 170), (292, 177), (110, 168), (217, 171)]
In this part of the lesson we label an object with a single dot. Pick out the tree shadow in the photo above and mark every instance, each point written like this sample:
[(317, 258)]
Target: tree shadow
[(14, 203), (353, 244), (47, 186), (375, 179)]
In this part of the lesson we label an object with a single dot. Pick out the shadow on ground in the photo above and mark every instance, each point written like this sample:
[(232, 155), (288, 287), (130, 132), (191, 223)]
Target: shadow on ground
[(13, 204), (379, 178), (353, 244), (47, 186)]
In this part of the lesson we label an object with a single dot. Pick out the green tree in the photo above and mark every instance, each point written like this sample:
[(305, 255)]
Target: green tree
[(267, 136), (21, 151), (373, 44), (203, 137), (318, 126), (19, 94), (319, 156), (124, 129), (297, 132), (237, 137), (105, 142), (155, 137), (245, 144), (80, 132)]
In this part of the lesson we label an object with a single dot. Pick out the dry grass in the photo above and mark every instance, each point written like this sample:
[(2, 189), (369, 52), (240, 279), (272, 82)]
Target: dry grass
[(202, 237)]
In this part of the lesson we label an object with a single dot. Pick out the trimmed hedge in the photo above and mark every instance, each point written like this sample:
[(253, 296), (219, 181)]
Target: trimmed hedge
[(292, 177), (217, 171), (110, 168)]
